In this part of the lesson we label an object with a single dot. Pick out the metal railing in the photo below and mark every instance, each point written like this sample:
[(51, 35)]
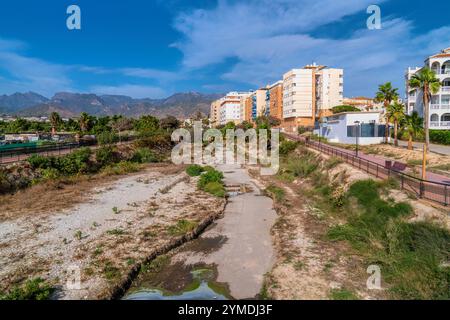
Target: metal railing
[(425, 189), (21, 154)]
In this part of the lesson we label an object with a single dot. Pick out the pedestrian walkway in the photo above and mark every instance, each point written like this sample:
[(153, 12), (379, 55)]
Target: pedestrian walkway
[(430, 176), (436, 148)]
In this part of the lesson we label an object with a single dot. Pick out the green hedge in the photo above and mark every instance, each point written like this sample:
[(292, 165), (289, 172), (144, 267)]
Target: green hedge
[(440, 136)]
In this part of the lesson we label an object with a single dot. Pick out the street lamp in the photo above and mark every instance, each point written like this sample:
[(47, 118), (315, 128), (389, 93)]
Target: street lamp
[(357, 136)]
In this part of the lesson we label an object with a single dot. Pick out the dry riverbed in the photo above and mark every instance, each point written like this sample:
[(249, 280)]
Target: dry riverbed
[(104, 233)]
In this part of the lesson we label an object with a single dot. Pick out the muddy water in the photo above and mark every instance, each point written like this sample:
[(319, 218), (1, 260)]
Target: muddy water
[(228, 261)]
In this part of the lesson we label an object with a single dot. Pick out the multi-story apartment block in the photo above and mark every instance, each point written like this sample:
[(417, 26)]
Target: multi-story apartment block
[(275, 108), (256, 104), (310, 93), (440, 102), (214, 114), (230, 108)]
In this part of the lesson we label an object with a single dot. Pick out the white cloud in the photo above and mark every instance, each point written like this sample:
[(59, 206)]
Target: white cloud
[(270, 37), (135, 91), (30, 74)]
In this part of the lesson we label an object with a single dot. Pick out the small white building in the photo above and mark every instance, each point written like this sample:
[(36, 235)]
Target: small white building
[(347, 126)]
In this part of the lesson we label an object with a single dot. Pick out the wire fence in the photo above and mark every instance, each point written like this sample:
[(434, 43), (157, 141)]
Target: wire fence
[(20, 154), (425, 189)]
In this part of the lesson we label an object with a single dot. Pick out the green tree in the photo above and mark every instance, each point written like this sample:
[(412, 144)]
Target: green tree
[(55, 121), (426, 81), (396, 114), (84, 122), (344, 108), (386, 94), (147, 125), (414, 126)]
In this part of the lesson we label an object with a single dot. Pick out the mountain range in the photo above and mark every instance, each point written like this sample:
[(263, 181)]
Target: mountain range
[(180, 105)]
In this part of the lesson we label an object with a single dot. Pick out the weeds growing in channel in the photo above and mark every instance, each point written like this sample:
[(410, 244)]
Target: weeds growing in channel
[(35, 289), (182, 227)]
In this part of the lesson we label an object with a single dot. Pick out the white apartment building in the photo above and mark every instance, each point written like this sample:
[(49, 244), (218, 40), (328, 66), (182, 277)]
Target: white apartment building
[(230, 108), (440, 102), (309, 93)]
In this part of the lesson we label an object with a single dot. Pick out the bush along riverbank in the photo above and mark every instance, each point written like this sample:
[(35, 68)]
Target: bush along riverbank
[(210, 181), (329, 207), (106, 160)]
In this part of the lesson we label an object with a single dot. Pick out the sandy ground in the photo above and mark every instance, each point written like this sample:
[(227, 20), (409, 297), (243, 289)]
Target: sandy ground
[(115, 227), (248, 252)]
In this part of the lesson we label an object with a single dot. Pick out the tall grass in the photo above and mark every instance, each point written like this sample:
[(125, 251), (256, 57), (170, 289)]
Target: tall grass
[(412, 256)]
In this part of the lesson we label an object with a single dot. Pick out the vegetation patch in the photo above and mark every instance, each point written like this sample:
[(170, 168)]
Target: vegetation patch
[(35, 289), (343, 294), (182, 227), (412, 256), (276, 192), (194, 170)]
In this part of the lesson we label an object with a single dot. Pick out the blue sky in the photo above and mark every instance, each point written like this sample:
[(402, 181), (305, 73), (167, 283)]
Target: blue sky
[(155, 48)]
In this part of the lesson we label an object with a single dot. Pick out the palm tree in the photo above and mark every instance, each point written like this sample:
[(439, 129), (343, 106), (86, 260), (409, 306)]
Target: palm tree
[(55, 120), (83, 121), (386, 94), (414, 126), (396, 113), (426, 81)]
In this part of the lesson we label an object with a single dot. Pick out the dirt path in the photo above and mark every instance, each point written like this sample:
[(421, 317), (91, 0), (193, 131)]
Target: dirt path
[(118, 226)]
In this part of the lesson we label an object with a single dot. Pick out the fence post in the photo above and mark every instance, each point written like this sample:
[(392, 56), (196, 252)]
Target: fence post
[(421, 187), (403, 181), (377, 170), (446, 194)]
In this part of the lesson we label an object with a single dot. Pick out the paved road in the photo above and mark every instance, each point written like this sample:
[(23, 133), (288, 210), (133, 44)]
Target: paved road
[(436, 148)]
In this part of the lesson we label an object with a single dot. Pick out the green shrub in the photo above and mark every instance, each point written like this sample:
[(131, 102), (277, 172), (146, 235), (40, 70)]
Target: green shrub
[(215, 188), (287, 147), (156, 141), (35, 289), (194, 170), (210, 176), (123, 167), (73, 163), (144, 155), (440, 136), (301, 167), (344, 108), (107, 137), (37, 161), (278, 193), (49, 174), (105, 155), (181, 227), (343, 294)]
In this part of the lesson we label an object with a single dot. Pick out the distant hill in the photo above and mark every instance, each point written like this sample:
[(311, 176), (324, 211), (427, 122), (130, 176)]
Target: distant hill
[(180, 105), (19, 101)]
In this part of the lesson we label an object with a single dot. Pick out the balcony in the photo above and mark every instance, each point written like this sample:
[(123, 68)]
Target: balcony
[(445, 89), (440, 124), (434, 106)]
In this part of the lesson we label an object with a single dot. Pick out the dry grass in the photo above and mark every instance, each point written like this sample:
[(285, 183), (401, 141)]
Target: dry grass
[(53, 196)]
